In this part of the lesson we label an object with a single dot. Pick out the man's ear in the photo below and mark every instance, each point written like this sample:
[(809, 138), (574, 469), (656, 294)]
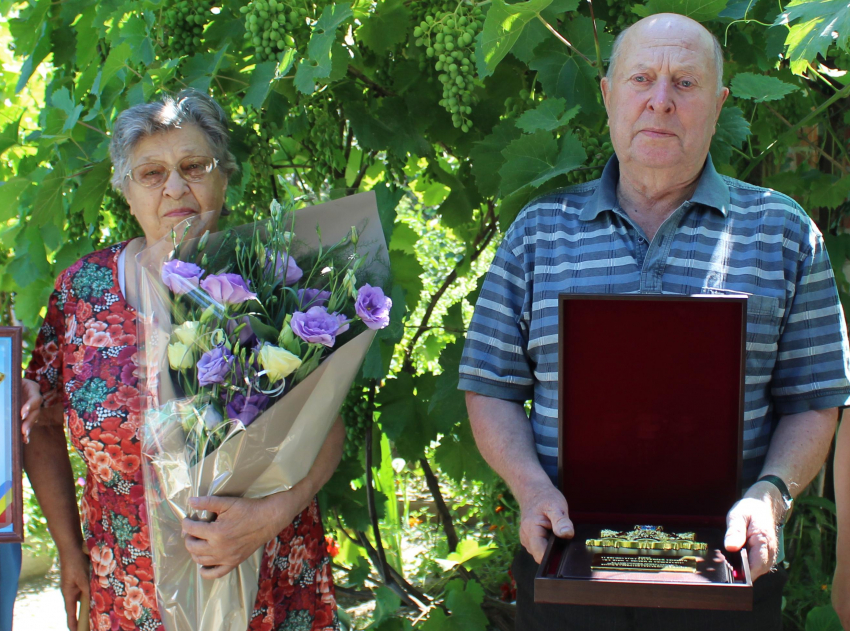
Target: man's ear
[(721, 99), (603, 85)]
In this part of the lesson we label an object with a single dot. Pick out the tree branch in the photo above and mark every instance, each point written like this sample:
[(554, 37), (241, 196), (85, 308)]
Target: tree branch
[(440, 504), (381, 90), (480, 244)]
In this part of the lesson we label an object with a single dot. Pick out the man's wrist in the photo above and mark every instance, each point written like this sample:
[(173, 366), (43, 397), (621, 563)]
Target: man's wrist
[(767, 492)]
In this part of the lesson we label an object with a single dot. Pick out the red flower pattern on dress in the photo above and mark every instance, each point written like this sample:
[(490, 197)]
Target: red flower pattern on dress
[(85, 360)]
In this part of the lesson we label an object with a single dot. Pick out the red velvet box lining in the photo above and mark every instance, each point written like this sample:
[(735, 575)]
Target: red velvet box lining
[(651, 407)]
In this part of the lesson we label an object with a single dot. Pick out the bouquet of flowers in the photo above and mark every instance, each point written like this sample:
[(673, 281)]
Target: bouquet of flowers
[(251, 338)]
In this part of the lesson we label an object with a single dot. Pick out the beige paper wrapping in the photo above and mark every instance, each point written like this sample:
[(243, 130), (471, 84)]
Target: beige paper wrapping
[(269, 456)]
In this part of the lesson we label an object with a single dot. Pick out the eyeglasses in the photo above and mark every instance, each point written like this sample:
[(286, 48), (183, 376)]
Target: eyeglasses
[(153, 175)]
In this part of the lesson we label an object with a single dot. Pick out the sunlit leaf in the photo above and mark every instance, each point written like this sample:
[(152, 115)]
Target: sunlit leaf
[(759, 88)]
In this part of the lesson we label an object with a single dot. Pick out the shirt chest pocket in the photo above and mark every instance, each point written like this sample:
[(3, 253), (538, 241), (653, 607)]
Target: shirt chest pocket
[(764, 315)]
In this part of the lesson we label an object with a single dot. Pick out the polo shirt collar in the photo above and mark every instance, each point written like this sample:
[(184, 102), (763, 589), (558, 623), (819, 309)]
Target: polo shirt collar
[(711, 191)]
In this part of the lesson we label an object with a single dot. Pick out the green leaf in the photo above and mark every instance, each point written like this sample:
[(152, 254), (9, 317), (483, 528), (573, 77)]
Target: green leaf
[(29, 303), (115, 61), (699, 10), (62, 100), (387, 27), (487, 157), (47, 206), (388, 198), (10, 193), (823, 618), (447, 401), (812, 32), (457, 460), (318, 63), (261, 84), (732, 130), (9, 135), (404, 239), (830, 195), (464, 601), (467, 550), (760, 88), (404, 414), (89, 195), (534, 159), (199, 69), (30, 263), (534, 33), (503, 26), (547, 116), (38, 54), (566, 75)]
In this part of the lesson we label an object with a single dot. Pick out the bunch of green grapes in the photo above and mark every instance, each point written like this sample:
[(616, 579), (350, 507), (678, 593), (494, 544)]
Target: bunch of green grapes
[(620, 15), (515, 106), (449, 39), (325, 139), (598, 149), (273, 25), (183, 25), (356, 415)]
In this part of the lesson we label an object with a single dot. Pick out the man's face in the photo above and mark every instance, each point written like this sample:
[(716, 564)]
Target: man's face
[(662, 100)]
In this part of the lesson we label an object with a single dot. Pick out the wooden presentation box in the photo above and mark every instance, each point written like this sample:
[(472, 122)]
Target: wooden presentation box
[(651, 399)]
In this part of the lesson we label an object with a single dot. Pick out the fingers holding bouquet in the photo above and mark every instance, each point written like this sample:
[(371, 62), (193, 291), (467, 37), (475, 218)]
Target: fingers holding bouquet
[(241, 526)]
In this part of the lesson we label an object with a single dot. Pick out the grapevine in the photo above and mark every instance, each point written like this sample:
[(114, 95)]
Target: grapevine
[(183, 25), (598, 149), (272, 26), (449, 39), (356, 414), (620, 15)]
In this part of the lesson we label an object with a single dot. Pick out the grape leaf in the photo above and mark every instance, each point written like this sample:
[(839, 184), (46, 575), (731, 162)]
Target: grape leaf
[(115, 61), (566, 75), (534, 158), (732, 130), (48, 200), (62, 100), (38, 54), (386, 27), (547, 116), (10, 193), (404, 415), (502, 27), (9, 135), (823, 618), (406, 274), (261, 83), (699, 10), (30, 262), (487, 158), (760, 88), (458, 458), (387, 198), (29, 303), (832, 194), (319, 62), (534, 33), (89, 195), (818, 24), (464, 601)]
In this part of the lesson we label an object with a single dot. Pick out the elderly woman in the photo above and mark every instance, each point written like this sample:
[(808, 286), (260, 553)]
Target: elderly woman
[(171, 162)]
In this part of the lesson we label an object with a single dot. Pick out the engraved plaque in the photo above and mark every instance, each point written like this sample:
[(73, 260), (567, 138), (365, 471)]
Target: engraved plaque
[(642, 563)]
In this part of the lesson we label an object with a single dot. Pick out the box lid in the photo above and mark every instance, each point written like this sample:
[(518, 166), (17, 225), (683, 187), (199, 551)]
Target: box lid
[(651, 399)]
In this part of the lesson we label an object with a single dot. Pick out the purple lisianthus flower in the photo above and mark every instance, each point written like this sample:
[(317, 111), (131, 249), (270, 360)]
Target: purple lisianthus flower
[(227, 288), (247, 337), (246, 409), (373, 307), (312, 298), (214, 366), (181, 277), (274, 265), (317, 326)]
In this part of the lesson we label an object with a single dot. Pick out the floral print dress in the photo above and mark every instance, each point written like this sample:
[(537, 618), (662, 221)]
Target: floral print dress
[(85, 360)]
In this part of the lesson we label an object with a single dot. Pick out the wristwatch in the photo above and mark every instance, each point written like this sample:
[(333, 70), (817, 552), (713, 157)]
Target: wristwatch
[(788, 501)]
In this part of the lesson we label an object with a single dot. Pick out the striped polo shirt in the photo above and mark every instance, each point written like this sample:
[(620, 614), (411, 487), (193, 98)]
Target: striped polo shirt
[(729, 238)]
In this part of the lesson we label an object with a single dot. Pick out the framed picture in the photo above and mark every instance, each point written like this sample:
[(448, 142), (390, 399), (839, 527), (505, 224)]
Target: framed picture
[(11, 463)]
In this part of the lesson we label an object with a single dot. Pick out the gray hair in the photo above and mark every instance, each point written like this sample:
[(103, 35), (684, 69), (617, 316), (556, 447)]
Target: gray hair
[(615, 55), (171, 112)]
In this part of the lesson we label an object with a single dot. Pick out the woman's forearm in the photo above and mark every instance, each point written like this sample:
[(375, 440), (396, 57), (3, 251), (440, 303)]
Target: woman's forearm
[(49, 471)]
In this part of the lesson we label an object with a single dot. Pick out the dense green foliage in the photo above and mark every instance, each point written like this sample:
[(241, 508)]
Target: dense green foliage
[(456, 114)]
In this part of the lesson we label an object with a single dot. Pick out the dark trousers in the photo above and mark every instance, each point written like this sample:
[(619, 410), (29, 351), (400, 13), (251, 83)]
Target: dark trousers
[(765, 616)]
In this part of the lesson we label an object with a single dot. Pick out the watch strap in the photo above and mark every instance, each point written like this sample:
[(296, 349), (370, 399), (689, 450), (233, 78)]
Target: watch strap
[(779, 483)]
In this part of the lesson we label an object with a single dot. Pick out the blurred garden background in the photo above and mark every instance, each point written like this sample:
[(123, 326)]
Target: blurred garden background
[(456, 114)]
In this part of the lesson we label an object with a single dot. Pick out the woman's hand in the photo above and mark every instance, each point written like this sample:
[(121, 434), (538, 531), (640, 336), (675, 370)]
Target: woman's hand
[(31, 407), (241, 526), (74, 582)]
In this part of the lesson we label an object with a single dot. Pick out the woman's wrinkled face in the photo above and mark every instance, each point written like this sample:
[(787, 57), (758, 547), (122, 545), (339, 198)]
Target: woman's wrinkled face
[(158, 209)]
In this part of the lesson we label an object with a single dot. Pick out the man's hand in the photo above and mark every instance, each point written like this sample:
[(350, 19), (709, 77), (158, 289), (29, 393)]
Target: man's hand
[(73, 582), (752, 522), (241, 526), (543, 509), (31, 406)]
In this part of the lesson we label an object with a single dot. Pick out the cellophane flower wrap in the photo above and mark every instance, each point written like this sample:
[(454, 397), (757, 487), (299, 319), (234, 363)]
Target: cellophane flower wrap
[(251, 338)]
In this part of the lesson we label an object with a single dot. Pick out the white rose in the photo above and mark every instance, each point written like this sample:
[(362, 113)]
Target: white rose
[(187, 332), (278, 362), (180, 356)]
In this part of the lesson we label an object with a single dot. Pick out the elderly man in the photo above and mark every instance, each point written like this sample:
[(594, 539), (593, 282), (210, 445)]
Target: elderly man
[(661, 220)]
